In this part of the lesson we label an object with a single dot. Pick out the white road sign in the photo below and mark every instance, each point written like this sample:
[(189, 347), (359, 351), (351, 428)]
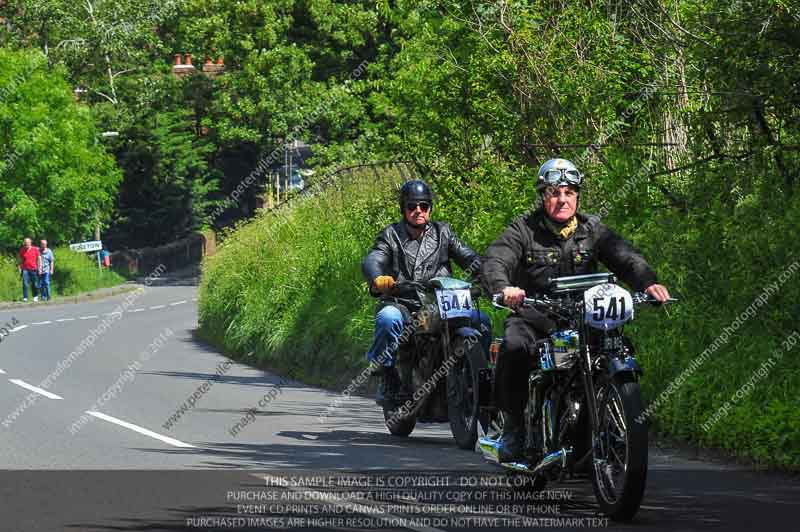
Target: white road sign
[(92, 245)]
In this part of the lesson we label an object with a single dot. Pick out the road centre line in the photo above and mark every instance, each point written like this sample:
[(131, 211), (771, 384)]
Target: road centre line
[(94, 316), (137, 428), (365, 509), (35, 389)]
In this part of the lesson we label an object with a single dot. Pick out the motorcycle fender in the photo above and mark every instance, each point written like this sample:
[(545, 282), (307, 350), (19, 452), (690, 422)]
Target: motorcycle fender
[(625, 365), (468, 332)]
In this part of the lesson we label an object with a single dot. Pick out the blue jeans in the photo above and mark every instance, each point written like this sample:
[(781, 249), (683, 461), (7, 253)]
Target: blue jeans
[(44, 285), (30, 277), (389, 328)]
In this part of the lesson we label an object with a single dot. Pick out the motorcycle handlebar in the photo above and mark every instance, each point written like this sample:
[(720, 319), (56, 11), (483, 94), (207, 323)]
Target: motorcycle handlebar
[(404, 286), (638, 298)]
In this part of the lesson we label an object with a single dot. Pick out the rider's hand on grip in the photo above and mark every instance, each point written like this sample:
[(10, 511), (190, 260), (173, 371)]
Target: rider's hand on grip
[(513, 296), (383, 284), (659, 292)]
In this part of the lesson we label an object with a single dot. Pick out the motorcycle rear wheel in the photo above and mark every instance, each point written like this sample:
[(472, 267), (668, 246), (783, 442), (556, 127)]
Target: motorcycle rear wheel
[(619, 466)]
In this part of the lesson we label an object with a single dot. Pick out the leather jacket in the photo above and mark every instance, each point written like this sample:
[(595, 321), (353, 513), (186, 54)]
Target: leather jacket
[(438, 246), (527, 254)]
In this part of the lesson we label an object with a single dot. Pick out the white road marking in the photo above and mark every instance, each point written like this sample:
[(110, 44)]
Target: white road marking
[(177, 303), (88, 317), (15, 329), (194, 299), (41, 322), (366, 509), (112, 313), (2, 372), (65, 319), (140, 430), (157, 307), (137, 310), (36, 389)]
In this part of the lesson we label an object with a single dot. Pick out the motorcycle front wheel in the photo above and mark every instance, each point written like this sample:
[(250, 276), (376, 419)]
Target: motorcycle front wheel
[(397, 423), (619, 471), (462, 392)]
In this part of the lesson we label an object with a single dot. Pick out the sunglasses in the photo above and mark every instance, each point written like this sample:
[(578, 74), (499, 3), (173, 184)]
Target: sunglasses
[(424, 206), (556, 177)]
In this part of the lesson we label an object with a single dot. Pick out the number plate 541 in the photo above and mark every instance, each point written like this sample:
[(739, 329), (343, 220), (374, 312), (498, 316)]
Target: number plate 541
[(607, 306)]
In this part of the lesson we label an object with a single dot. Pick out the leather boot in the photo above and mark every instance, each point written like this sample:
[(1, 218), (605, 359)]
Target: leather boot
[(511, 442)]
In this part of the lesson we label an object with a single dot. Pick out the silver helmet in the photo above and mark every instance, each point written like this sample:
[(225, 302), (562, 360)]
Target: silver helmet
[(558, 173)]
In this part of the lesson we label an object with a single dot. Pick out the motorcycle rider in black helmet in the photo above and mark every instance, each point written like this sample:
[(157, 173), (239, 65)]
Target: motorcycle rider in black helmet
[(414, 249), (553, 241)]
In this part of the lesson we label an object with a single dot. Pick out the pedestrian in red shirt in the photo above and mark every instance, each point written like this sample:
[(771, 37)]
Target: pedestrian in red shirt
[(29, 268)]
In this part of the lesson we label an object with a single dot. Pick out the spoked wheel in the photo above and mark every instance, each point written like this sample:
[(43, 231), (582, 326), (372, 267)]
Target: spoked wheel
[(620, 452), (462, 393), (401, 417)]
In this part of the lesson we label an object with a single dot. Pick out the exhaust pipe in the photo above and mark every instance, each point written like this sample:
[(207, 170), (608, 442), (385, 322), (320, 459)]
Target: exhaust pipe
[(557, 458)]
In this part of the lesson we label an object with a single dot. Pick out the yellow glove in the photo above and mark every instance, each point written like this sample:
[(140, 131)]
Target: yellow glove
[(383, 283)]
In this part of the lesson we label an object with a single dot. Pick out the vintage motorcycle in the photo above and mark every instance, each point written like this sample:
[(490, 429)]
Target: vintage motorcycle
[(584, 411), (438, 359)]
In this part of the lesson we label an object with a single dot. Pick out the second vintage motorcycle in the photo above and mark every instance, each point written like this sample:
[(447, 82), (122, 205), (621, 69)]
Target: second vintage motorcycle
[(438, 359)]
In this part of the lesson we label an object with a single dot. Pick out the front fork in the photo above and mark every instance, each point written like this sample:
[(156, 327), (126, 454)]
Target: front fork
[(540, 413), (591, 396)]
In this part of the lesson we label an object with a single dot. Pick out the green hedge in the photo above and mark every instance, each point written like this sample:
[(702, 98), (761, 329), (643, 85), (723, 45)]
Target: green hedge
[(75, 273), (287, 286)]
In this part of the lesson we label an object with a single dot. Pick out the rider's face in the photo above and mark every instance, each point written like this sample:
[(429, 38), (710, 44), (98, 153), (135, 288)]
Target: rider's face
[(417, 216), (560, 203)]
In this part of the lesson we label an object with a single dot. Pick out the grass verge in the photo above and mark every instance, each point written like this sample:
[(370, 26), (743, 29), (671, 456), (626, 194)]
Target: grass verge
[(75, 273)]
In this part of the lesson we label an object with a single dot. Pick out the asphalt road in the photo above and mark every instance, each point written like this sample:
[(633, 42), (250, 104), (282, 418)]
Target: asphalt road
[(180, 438)]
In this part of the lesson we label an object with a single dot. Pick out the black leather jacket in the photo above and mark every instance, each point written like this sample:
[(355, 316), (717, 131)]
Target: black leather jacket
[(438, 246), (528, 254)]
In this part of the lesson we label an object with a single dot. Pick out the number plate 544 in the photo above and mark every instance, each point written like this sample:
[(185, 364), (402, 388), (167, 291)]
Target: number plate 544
[(454, 303)]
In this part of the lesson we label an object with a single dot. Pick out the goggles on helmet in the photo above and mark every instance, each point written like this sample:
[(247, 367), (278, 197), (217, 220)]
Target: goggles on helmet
[(556, 177)]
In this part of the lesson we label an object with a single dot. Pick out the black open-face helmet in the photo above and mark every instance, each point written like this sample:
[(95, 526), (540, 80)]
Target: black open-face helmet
[(415, 191)]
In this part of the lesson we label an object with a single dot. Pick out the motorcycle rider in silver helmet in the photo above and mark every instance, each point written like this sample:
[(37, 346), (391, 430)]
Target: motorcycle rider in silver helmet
[(554, 240)]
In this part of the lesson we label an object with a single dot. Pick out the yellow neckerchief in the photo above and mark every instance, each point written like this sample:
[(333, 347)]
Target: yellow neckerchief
[(565, 230)]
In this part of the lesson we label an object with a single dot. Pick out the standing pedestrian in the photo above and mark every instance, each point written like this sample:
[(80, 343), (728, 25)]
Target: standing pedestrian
[(47, 263), (29, 268)]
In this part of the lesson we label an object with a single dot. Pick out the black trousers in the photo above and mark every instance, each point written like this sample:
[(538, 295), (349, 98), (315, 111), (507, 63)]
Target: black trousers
[(514, 363)]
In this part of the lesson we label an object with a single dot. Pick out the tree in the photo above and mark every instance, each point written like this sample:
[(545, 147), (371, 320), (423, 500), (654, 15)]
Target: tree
[(56, 180)]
